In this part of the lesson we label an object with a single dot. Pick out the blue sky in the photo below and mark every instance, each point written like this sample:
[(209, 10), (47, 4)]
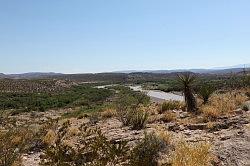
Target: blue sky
[(79, 36)]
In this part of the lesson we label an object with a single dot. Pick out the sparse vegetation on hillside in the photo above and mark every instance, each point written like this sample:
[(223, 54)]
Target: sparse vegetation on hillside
[(96, 127)]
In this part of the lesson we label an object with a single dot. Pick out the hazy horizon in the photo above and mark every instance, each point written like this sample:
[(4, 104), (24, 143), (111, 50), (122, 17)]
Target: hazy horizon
[(104, 36)]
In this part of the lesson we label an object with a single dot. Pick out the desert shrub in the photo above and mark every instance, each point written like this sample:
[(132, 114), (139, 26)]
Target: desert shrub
[(135, 118), (125, 105), (147, 150), (127, 102), (13, 143), (196, 154), (57, 152), (168, 117), (100, 151), (205, 91), (95, 149), (138, 119), (171, 105), (128, 108)]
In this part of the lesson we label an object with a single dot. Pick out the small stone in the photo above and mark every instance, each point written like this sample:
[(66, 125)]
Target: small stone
[(199, 126)]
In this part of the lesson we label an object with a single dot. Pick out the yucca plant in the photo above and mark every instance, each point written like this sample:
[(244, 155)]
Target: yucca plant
[(187, 80), (205, 91)]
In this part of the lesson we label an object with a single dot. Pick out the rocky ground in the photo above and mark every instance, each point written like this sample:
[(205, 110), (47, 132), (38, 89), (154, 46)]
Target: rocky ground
[(228, 135)]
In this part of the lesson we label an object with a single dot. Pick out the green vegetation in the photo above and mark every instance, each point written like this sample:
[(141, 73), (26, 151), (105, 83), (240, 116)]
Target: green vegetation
[(205, 91), (138, 119), (81, 95), (127, 104)]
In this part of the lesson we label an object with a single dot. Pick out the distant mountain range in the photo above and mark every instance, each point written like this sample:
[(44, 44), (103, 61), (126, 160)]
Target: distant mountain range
[(217, 70), (30, 75)]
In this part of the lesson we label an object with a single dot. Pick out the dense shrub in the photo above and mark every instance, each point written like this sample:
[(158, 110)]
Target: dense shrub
[(76, 96)]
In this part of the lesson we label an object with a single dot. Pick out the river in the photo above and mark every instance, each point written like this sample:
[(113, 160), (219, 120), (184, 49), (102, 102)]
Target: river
[(158, 96), (155, 95)]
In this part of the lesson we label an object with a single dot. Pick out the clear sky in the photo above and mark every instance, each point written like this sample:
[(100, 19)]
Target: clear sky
[(78, 36)]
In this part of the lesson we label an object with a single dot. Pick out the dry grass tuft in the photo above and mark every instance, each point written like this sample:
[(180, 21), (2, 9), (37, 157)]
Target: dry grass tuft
[(168, 117), (50, 138), (73, 131), (210, 113), (171, 105), (164, 135), (210, 125), (108, 113), (197, 154), (222, 104), (227, 102)]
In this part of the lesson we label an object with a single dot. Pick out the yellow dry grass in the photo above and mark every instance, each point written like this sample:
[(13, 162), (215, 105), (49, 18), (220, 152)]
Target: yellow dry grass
[(210, 113), (168, 117), (222, 104), (72, 131), (164, 135), (108, 113), (171, 105), (50, 138), (196, 154)]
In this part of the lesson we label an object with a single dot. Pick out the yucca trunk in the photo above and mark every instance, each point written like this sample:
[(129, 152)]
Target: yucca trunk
[(187, 81), (190, 100)]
